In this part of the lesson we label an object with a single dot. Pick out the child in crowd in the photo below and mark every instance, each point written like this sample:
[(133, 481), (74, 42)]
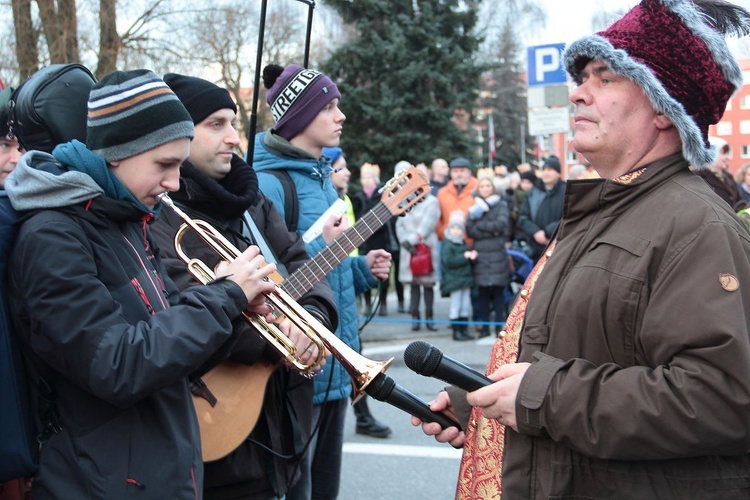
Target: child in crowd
[(457, 281)]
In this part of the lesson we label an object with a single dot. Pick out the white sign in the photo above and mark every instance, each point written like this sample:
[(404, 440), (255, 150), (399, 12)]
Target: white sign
[(547, 121), (547, 95)]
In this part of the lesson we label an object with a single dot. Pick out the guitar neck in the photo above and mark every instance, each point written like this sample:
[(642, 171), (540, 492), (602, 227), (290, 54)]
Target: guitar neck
[(303, 279)]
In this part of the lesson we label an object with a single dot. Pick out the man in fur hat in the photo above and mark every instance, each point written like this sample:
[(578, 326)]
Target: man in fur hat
[(632, 333)]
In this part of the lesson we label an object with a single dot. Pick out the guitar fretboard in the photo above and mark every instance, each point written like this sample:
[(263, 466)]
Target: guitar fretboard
[(303, 279)]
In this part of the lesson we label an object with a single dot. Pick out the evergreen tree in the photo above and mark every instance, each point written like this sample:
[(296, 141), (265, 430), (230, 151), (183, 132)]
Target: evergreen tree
[(409, 79), (505, 96)]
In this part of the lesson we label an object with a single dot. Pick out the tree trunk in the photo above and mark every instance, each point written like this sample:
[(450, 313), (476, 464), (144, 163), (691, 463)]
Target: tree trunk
[(109, 39), (68, 21), (26, 38), (48, 15), (60, 25)]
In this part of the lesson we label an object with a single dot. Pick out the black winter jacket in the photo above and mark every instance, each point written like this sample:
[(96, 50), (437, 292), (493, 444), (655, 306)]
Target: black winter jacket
[(284, 424), (542, 209), (384, 238), (490, 231), (91, 298)]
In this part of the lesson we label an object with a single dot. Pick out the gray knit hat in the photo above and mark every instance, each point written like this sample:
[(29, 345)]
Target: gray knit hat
[(131, 112)]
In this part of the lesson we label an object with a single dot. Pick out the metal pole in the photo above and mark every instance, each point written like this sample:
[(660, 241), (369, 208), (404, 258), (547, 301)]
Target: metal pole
[(523, 143), (253, 126), (311, 4), (256, 85)]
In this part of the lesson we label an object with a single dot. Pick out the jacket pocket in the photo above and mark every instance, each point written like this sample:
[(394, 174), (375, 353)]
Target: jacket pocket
[(605, 290)]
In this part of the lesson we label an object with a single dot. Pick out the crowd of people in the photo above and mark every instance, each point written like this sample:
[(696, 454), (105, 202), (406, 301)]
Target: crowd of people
[(620, 371), (496, 216)]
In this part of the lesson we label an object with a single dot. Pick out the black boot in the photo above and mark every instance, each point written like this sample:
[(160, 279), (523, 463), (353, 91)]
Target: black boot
[(459, 331), (401, 309), (464, 326), (366, 423), (415, 323), (485, 332), (430, 324), (383, 309), (429, 299)]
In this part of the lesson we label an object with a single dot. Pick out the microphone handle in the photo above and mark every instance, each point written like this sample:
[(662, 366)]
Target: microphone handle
[(403, 399), (386, 390), (460, 375)]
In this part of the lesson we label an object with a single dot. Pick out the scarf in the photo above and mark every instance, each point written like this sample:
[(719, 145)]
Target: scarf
[(75, 156), (219, 199)]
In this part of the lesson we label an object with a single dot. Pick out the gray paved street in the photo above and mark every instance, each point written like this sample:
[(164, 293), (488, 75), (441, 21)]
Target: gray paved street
[(407, 465)]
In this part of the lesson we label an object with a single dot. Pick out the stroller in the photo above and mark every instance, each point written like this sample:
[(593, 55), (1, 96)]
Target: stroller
[(521, 266)]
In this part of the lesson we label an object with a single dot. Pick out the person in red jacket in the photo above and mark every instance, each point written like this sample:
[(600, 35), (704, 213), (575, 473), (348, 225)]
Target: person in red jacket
[(458, 194)]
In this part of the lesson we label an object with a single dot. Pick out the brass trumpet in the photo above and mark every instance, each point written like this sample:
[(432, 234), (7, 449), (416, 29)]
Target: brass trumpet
[(361, 369)]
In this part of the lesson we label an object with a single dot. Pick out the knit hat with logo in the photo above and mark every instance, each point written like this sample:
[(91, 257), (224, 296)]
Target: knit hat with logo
[(200, 97), (296, 96), (131, 112), (676, 52)]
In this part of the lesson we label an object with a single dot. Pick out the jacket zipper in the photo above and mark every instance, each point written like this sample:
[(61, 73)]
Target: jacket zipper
[(159, 290)]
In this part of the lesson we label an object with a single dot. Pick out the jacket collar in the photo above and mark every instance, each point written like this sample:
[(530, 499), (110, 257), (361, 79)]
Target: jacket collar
[(582, 197)]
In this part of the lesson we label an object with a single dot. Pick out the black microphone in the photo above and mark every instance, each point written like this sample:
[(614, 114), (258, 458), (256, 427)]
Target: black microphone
[(427, 360), (384, 388)]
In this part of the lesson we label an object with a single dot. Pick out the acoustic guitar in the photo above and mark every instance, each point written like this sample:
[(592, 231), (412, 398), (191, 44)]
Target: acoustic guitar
[(228, 399)]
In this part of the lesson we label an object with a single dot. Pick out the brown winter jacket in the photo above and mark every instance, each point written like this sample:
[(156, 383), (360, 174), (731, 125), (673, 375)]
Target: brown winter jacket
[(637, 332)]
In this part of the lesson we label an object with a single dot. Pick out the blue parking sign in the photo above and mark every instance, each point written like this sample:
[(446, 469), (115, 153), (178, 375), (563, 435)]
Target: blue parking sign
[(545, 65)]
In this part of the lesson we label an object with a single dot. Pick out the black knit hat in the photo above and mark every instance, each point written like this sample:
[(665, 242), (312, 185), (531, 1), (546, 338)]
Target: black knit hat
[(131, 112), (552, 162), (529, 176), (200, 97)]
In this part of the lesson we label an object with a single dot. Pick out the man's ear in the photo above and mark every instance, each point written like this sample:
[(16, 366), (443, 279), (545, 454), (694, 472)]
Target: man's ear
[(114, 164), (662, 122)]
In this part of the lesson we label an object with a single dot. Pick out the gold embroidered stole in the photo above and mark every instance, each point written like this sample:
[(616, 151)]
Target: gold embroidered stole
[(482, 460)]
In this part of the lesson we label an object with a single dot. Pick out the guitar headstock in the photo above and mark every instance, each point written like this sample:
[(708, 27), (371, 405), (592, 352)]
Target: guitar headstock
[(406, 190)]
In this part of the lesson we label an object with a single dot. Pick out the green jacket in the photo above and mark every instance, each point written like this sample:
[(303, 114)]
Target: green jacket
[(456, 268)]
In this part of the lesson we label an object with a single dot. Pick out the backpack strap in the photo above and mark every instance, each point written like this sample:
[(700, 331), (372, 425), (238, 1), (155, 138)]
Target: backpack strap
[(291, 202)]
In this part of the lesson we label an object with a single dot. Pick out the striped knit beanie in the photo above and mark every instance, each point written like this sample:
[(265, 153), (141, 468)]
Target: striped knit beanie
[(131, 112)]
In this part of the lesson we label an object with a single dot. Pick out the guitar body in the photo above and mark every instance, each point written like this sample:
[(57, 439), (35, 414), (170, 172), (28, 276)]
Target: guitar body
[(239, 390)]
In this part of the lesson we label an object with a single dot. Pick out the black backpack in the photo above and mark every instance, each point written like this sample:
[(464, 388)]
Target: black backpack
[(291, 202), (47, 109), (50, 107)]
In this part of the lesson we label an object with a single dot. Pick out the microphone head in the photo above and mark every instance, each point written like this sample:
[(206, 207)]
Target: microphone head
[(422, 358), (381, 387)]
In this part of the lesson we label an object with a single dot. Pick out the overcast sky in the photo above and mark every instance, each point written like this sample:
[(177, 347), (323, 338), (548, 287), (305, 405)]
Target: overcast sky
[(569, 20)]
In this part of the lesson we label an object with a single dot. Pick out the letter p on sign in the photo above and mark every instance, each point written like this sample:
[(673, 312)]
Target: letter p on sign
[(545, 65)]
